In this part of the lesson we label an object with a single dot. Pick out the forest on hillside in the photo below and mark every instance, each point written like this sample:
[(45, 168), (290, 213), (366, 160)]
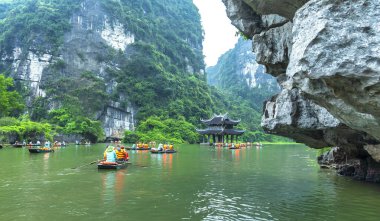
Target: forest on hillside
[(161, 73)]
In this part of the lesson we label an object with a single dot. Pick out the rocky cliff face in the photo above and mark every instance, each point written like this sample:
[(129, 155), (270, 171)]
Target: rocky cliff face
[(92, 37), (325, 54)]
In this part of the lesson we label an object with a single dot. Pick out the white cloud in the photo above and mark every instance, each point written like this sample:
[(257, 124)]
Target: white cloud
[(219, 33)]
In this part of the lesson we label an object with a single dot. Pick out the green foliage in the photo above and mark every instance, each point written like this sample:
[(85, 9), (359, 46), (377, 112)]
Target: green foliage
[(172, 26), (130, 137), (38, 22), (9, 121), (85, 95), (40, 109), (158, 88), (69, 123), (159, 74), (166, 130), (24, 128), (11, 103), (323, 151), (243, 101)]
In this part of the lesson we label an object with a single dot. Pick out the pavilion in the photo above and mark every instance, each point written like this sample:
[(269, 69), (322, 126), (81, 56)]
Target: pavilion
[(221, 128)]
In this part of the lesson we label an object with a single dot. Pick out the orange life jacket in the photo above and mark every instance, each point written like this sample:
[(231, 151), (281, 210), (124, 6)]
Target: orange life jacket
[(120, 154)]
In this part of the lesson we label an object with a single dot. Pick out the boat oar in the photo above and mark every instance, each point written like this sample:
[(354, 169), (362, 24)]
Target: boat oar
[(85, 164)]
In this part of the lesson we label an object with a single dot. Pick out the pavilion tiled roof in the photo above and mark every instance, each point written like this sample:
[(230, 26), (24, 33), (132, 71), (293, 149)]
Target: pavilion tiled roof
[(220, 120), (220, 131)]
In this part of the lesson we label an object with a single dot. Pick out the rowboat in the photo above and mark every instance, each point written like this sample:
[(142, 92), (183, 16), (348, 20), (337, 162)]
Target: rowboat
[(111, 165), (162, 151), (17, 145), (33, 145), (134, 148), (40, 150)]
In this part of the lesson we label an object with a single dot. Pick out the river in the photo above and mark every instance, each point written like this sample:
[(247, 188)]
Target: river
[(274, 182)]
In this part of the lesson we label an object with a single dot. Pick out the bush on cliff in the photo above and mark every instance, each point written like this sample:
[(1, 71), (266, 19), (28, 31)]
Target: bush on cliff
[(165, 130), (11, 103)]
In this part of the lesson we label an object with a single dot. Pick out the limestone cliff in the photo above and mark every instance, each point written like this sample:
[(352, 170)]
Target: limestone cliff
[(325, 55), (118, 61), (91, 35)]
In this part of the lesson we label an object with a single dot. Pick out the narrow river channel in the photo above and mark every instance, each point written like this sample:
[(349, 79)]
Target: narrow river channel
[(274, 182)]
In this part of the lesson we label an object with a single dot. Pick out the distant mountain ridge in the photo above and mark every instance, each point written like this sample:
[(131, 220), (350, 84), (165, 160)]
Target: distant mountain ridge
[(245, 84), (238, 71)]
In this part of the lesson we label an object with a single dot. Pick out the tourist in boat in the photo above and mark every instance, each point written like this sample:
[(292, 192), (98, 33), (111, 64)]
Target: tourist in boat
[(126, 155), (63, 143), (134, 146), (38, 142), (119, 153), (171, 147), (160, 147), (110, 155), (47, 144)]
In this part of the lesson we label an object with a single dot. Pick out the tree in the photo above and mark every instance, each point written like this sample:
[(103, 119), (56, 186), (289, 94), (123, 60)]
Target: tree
[(11, 103)]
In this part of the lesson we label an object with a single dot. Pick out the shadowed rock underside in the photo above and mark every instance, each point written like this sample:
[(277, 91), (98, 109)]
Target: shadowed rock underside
[(326, 57)]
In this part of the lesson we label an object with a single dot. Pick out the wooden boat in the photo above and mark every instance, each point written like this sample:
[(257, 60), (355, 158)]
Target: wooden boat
[(40, 150), (59, 145), (110, 165), (134, 148), (163, 151), (33, 145), (17, 145)]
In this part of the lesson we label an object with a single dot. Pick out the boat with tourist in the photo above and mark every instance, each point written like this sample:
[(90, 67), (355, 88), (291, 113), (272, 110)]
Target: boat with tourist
[(162, 151), (163, 148), (139, 146), (112, 165), (40, 150), (17, 145)]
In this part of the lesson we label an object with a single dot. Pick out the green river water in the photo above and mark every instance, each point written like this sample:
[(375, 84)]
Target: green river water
[(275, 182)]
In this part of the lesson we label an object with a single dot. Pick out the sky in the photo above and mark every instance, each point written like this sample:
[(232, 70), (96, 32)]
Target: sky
[(219, 32)]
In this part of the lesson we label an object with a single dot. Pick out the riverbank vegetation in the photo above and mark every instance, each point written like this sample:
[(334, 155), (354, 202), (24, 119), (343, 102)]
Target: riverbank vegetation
[(17, 126), (164, 131)]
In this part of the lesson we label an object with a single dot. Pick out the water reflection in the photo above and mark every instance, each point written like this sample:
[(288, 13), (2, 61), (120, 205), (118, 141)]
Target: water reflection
[(167, 161), (236, 154), (216, 203), (164, 163), (46, 162), (112, 185)]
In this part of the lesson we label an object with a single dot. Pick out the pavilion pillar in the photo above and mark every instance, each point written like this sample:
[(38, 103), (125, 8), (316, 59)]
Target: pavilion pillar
[(208, 138), (213, 138), (203, 138), (232, 138)]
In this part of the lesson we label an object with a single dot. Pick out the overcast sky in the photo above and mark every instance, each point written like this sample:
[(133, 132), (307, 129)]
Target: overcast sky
[(219, 33)]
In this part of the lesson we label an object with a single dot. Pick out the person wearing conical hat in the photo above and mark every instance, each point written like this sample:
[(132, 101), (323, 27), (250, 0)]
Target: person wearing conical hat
[(110, 155)]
